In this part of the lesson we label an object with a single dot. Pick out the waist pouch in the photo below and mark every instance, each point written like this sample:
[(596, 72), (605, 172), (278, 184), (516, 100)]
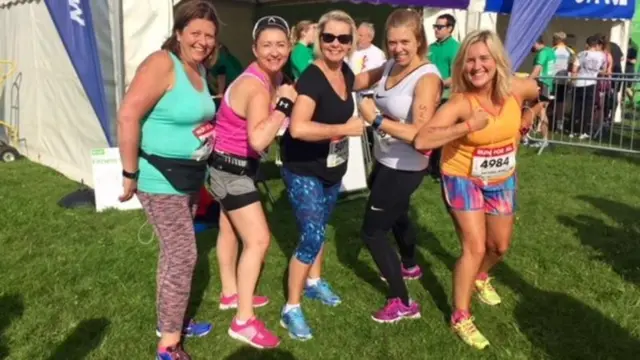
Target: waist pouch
[(185, 175), (233, 164)]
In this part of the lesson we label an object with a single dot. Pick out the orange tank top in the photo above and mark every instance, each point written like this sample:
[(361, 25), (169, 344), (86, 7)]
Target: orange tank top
[(488, 155)]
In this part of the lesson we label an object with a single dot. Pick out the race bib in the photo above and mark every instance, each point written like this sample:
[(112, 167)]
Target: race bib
[(338, 152), (206, 133), (494, 163)]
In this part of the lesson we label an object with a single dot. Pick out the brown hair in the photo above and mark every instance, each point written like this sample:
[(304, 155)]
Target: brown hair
[(413, 20), (183, 13), (296, 32)]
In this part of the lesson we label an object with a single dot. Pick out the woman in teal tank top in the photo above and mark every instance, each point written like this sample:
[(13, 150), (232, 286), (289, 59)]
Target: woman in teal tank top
[(164, 133)]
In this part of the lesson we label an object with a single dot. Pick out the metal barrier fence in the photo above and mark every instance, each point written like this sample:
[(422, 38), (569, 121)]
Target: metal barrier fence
[(591, 112)]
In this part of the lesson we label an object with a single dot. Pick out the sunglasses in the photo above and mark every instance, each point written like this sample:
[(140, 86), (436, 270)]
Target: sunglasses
[(343, 39), (439, 27)]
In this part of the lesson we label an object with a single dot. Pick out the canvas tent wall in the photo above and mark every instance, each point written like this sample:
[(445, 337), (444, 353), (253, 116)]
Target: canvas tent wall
[(57, 120)]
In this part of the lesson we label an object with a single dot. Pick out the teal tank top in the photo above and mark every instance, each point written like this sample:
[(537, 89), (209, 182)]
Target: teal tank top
[(167, 130)]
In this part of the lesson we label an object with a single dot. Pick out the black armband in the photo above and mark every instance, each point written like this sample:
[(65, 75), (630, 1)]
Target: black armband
[(285, 106)]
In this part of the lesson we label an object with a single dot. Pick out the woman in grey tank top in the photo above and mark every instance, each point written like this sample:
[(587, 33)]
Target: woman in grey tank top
[(407, 96)]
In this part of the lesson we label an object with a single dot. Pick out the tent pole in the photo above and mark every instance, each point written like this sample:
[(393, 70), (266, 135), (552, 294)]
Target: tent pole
[(118, 58)]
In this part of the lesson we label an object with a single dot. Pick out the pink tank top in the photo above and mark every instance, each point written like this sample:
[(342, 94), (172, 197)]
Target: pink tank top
[(232, 136)]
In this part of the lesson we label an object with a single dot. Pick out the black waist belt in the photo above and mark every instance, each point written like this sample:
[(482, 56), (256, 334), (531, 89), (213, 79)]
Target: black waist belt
[(233, 164)]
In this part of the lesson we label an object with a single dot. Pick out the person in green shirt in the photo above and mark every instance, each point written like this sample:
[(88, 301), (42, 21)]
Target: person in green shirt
[(544, 70), (226, 69), (302, 37), (442, 54), (544, 63)]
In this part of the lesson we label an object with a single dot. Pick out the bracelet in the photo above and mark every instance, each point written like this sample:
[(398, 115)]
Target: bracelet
[(285, 106), (377, 121)]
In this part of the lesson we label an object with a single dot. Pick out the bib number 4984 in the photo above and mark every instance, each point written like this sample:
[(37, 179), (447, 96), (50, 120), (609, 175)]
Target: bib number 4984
[(495, 162)]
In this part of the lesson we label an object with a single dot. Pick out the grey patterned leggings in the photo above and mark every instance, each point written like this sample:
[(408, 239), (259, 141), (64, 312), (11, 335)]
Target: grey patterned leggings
[(172, 219)]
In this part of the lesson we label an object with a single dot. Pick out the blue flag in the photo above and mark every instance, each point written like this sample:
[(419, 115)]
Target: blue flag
[(73, 21), (528, 20)]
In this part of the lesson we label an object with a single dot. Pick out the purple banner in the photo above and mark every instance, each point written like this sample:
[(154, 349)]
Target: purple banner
[(75, 26), (446, 4), (528, 20)]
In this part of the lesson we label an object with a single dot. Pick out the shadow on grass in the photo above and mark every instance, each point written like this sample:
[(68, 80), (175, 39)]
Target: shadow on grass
[(11, 308), (556, 323), (564, 327), (617, 245), (248, 353), (632, 158), (429, 280), (282, 224), (85, 338), (205, 242), (347, 221)]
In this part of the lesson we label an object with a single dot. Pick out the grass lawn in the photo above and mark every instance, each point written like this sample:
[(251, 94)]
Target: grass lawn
[(75, 284)]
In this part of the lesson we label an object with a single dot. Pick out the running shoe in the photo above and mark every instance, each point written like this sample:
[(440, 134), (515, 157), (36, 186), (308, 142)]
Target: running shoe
[(486, 292), (253, 333), (412, 273), (294, 321), (172, 353), (231, 302), (322, 291), (193, 329), (467, 331), (394, 311)]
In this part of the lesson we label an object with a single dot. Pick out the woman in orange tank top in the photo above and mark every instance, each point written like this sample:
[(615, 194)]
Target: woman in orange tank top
[(479, 129)]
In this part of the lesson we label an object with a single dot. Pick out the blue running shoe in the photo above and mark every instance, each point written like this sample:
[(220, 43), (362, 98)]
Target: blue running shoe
[(193, 329), (293, 320), (173, 353), (322, 291)]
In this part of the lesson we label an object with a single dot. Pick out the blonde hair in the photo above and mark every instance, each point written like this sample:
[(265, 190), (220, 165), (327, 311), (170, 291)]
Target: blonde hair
[(296, 32), (413, 20), (502, 80), (339, 16), (560, 36)]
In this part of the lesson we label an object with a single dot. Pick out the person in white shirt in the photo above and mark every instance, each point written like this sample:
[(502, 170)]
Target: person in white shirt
[(566, 60), (366, 57), (591, 62)]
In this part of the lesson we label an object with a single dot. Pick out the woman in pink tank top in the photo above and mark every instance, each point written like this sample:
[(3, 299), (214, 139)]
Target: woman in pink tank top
[(246, 124)]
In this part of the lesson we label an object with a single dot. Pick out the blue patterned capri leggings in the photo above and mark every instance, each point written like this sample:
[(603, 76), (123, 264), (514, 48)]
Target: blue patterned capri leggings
[(312, 203)]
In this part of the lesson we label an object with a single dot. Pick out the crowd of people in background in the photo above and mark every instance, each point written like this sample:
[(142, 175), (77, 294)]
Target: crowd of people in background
[(449, 109), (591, 79)]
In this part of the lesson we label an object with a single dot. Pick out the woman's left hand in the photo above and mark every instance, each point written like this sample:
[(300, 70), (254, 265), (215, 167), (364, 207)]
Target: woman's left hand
[(367, 108)]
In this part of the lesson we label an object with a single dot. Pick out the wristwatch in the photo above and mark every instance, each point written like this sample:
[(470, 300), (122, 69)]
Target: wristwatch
[(377, 121), (132, 176)]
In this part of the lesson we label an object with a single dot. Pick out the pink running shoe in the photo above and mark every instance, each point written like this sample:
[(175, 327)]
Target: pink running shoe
[(395, 311), (412, 273), (254, 333), (231, 302)]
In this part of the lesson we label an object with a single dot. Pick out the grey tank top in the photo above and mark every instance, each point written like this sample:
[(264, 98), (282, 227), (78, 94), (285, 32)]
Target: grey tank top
[(396, 104)]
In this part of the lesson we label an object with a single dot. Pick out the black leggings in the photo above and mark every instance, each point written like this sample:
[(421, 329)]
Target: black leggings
[(388, 209)]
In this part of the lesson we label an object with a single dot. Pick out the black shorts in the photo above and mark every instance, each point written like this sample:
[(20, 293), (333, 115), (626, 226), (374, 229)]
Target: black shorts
[(232, 191)]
